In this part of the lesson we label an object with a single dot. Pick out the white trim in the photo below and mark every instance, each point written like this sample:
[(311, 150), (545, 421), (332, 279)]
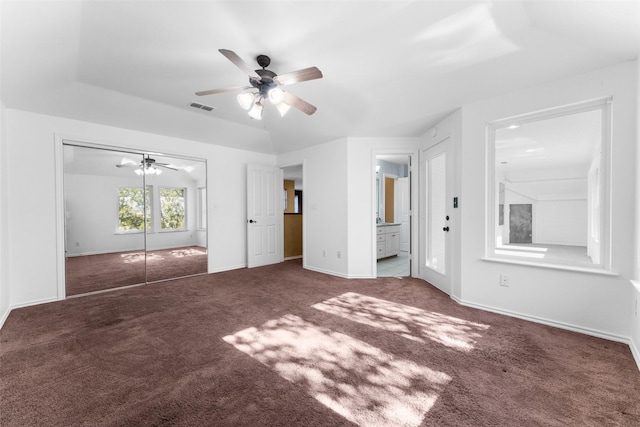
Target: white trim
[(228, 268), (635, 352), (35, 302), (566, 267), (602, 104), (329, 272), (548, 322), (4, 316), (60, 217)]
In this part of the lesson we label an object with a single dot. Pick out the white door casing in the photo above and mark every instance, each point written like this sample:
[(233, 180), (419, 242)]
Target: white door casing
[(403, 206), (264, 215)]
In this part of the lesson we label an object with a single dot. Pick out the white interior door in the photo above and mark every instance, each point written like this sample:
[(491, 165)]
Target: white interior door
[(403, 205), (436, 196), (264, 215)]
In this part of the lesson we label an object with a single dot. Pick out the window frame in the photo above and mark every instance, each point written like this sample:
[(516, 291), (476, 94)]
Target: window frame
[(492, 185)]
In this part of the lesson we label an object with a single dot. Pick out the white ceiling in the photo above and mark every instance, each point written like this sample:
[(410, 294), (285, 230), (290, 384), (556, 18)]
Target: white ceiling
[(391, 68)]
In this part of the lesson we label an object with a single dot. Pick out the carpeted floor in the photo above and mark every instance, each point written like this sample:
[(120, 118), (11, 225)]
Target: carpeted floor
[(283, 346), (93, 273)]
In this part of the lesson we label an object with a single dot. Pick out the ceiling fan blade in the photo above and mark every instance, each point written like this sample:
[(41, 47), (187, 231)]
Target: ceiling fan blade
[(233, 57), (228, 89), (299, 103), (310, 73), (127, 166), (167, 166)]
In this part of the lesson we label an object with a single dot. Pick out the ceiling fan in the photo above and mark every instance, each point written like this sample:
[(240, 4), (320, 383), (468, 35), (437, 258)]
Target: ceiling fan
[(268, 85), (147, 166)]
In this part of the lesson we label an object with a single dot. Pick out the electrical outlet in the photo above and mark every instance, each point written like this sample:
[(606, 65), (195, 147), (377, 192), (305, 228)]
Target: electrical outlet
[(339, 254), (77, 244), (324, 253), (504, 280)]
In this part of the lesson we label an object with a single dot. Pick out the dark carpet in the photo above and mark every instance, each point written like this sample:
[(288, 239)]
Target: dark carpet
[(283, 346)]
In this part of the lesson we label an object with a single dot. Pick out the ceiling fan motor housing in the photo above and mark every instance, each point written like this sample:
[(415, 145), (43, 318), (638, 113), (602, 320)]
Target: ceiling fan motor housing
[(266, 82)]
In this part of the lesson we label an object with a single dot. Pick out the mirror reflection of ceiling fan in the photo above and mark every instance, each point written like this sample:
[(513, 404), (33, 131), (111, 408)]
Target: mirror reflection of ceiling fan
[(268, 85), (147, 166)]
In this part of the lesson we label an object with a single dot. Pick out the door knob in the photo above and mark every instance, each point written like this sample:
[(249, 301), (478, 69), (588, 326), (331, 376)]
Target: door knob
[(252, 221), (445, 229)]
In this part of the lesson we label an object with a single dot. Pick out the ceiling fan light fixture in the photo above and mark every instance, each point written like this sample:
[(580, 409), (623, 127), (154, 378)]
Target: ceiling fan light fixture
[(276, 95), (282, 108), (148, 171), (246, 100), (256, 111)]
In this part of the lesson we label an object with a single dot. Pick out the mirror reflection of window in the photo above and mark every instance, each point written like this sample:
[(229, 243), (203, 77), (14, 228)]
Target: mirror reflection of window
[(548, 200)]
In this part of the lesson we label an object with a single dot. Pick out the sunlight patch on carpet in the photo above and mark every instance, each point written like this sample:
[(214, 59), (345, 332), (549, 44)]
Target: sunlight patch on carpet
[(181, 253), (357, 380), (406, 321)]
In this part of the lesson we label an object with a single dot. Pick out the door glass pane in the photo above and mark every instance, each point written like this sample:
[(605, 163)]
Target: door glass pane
[(436, 203)]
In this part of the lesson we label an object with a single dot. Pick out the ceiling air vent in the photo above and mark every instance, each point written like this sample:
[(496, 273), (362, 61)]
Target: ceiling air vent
[(201, 106)]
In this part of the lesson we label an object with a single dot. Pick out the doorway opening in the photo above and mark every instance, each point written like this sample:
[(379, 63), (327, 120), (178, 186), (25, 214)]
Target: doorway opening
[(293, 212), (393, 215)]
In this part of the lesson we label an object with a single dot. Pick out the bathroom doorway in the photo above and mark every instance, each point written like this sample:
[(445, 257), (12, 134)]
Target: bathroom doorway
[(393, 215)]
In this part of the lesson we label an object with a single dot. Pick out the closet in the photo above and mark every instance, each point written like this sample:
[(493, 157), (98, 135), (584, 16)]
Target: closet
[(131, 218)]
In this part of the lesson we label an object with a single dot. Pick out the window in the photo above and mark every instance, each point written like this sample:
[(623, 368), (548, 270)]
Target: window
[(172, 208), (548, 180), (202, 205), (131, 209)]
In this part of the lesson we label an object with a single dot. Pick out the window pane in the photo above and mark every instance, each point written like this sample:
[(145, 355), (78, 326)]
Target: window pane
[(172, 208), (131, 210), (436, 205)]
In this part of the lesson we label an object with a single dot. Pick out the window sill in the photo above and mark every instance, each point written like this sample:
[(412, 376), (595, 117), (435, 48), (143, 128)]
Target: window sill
[(566, 267)]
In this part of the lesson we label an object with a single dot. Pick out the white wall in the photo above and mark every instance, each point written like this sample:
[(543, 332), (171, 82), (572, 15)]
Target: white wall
[(339, 181), (597, 304), (31, 197), (361, 216), (560, 222), (324, 231)]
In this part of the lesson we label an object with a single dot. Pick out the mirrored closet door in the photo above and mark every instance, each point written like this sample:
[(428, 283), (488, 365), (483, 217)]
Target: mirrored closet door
[(131, 218)]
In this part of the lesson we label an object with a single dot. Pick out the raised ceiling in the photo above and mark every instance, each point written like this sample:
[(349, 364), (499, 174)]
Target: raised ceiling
[(391, 68)]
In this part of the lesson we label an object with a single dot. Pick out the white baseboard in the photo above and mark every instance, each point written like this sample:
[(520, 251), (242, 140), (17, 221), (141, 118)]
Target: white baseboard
[(329, 272), (9, 309), (635, 352), (4, 316), (227, 268), (561, 325)]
